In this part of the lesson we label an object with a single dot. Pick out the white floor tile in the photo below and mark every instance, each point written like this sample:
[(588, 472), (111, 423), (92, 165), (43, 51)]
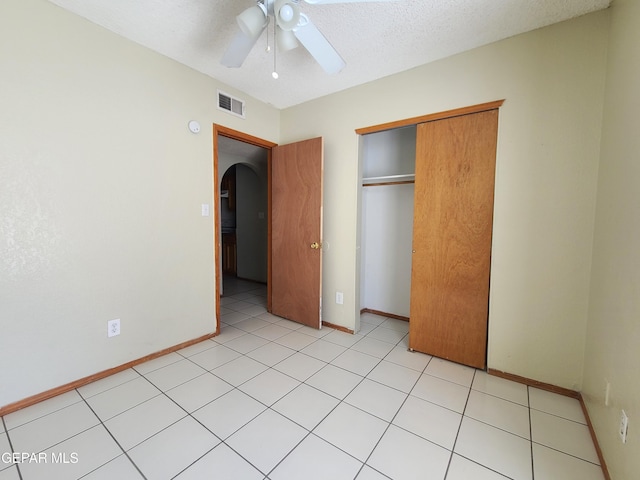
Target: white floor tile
[(90, 449), (120, 468), (266, 440), (402, 455), (271, 331), (315, 459), (51, 429), (501, 387), (271, 354), (450, 371), (352, 430), (177, 373), (10, 473), (372, 318), (252, 324), (499, 413), (430, 421), (373, 347), (197, 348), (269, 387), (356, 362), (315, 332), (228, 413), (413, 360), (555, 404), (299, 366), (495, 449), (334, 381), (246, 343), (238, 371), (214, 357), (156, 363), (386, 335), (281, 322), (368, 473), (563, 435), (395, 376), (442, 392), (116, 400), (296, 340), (196, 393), (102, 385), (550, 464), (462, 468), (141, 422), (222, 463), (228, 333), (41, 409), (235, 316), (365, 329), (342, 338), (376, 399), (395, 324), (306, 406), (323, 350), (172, 450), (5, 447), (270, 318)]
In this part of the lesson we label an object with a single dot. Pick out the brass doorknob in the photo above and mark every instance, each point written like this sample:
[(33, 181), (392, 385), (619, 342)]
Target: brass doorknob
[(316, 245)]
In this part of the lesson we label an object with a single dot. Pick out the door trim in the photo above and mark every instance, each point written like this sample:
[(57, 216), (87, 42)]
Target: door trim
[(219, 130), (481, 107)]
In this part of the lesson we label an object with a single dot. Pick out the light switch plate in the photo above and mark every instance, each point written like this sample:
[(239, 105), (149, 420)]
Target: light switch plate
[(205, 209)]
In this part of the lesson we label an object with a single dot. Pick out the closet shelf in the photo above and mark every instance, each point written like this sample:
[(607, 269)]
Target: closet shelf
[(406, 178)]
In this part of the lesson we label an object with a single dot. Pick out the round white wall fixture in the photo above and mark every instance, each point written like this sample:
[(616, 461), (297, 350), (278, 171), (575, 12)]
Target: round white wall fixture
[(194, 126)]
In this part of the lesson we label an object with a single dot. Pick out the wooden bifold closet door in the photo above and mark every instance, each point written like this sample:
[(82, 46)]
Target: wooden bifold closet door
[(452, 227)]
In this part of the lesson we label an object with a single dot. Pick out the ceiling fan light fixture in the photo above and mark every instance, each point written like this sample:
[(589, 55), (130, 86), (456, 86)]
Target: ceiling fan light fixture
[(287, 14), (286, 40), (253, 20)]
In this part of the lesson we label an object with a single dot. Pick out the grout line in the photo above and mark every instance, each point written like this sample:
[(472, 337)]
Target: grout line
[(455, 441), (533, 473), (6, 430), (114, 439)]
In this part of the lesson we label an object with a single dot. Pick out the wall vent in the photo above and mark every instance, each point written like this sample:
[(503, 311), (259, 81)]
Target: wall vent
[(230, 104)]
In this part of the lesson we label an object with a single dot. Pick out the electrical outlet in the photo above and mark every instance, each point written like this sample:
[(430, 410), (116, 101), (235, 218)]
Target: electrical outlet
[(113, 327), (339, 298), (624, 426)]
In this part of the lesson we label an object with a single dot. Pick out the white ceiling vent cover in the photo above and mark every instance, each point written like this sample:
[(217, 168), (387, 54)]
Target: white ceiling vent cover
[(230, 104)]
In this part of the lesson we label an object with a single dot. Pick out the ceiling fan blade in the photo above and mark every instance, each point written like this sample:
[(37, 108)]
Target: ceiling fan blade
[(318, 46), (326, 2), (238, 50)]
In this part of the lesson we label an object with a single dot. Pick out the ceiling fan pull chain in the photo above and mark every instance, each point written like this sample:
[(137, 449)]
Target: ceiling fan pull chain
[(275, 49)]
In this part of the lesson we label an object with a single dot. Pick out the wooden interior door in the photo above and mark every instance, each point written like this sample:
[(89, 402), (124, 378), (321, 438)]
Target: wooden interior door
[(453, 216), (296, 232)]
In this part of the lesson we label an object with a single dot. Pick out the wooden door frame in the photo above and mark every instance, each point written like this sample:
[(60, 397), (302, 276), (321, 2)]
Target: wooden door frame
[(219, 130)]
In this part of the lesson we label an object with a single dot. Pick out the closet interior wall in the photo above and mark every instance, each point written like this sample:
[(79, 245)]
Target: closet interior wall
[(388, 168)]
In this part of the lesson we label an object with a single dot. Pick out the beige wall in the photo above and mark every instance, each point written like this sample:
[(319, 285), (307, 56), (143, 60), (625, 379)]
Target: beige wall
[(613, 334), (101, 187), (547, 165)]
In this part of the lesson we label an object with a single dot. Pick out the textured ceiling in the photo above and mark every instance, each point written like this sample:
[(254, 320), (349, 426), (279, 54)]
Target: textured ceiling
[(376, 39)]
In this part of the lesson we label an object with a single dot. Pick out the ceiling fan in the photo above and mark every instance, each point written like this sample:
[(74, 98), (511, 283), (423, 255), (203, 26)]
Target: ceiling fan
[(292, 27)]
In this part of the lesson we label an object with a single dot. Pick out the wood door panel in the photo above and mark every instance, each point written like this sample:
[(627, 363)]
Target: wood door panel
[(296, 215), (453, 216)]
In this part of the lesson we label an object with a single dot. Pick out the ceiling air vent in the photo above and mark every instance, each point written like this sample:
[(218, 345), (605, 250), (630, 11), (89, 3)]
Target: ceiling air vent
[(230, 104)]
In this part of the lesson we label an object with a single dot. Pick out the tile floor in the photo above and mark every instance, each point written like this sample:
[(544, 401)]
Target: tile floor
[(270, 399)]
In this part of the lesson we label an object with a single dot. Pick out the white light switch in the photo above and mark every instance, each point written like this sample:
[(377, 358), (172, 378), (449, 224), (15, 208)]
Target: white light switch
[(205, 209)]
